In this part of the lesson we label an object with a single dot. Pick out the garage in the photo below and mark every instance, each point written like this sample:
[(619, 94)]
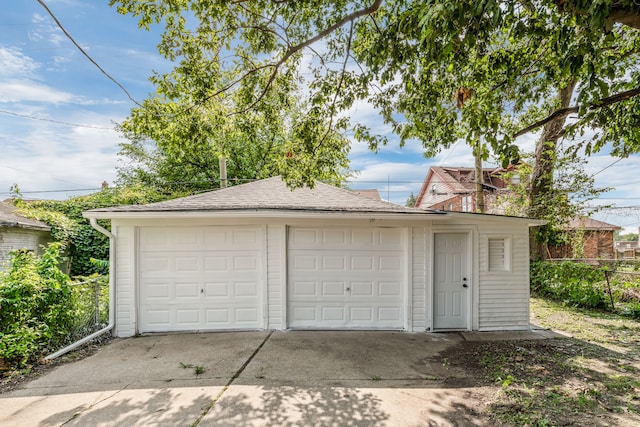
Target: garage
[(343, 278), (200, 278), (263, 256)]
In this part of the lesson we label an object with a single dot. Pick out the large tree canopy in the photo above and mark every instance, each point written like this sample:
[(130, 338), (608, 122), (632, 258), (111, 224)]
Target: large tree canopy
[(485, 71)]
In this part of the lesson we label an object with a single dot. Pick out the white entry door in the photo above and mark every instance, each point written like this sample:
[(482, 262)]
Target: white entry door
[(451, 281), (199, 278), (342, 278)]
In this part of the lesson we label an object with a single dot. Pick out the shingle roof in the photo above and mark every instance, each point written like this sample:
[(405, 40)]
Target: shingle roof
[(8, 218), (587, 223), (272, 194)]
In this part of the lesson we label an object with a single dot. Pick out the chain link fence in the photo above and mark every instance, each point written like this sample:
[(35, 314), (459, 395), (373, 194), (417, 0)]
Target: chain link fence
[(90, 300)]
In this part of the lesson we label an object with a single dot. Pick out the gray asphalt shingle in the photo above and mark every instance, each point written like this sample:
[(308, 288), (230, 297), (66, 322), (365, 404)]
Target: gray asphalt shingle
[(272, 194)]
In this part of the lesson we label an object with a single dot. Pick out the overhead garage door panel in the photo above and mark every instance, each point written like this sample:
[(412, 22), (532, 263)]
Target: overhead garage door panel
[(199, 278), (342, 278)]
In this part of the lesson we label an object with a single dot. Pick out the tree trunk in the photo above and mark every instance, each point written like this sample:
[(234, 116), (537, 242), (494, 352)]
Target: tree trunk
[(479, 178), (543, 169)]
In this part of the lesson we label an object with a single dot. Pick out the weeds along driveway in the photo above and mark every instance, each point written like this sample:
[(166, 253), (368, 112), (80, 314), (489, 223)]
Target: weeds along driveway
[(259, 378)]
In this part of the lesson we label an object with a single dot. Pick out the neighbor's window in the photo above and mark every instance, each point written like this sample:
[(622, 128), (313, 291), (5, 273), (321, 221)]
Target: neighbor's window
[(499, 254), (466, 204)]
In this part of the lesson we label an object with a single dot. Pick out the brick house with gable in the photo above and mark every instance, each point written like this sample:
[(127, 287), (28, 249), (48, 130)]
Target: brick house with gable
[(450, 188)]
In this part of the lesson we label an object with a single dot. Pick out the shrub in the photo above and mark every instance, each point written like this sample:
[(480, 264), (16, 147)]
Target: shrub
[(573, 283), (35, 305)]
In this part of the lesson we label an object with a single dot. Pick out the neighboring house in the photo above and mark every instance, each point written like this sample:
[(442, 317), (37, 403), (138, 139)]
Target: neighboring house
[(261, 256), (626, 249), (454, 189), (595, 236), (18, 232)]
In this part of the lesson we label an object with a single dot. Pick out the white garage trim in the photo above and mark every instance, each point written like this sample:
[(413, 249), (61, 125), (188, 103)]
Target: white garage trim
[(347, 278), (200, 278)]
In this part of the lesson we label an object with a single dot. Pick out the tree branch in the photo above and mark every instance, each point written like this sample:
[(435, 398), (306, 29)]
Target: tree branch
[(297, 48), (563, 112)]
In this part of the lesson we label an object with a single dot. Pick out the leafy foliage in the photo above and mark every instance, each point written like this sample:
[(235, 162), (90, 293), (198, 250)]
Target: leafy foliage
[(574, 284), (78, 239), (35, 305), (583, 285), (437, 70), (572, 190)]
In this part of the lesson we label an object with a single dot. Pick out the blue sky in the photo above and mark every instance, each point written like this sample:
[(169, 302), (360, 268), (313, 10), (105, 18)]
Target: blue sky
[(57, 112)]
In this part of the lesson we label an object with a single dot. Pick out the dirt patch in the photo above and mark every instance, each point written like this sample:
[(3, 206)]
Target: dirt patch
[(552, 382)]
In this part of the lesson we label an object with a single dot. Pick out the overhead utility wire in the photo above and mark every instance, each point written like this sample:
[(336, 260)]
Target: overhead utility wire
[(59, 24), (26, 116), (606, 167)]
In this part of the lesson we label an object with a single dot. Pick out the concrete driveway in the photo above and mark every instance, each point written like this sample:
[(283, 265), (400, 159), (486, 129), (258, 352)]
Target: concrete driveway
[(257, 379)]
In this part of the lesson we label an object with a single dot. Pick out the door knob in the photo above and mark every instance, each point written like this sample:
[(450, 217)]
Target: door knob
[(464, 285)]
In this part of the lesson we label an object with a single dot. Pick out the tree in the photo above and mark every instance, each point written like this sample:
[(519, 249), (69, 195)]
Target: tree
[(438, 71), (626, 237), (411, 201)]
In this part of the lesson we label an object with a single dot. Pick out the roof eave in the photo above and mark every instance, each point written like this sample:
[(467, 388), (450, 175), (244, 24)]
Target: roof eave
[(25, 226), (531, 222), (262, 213)]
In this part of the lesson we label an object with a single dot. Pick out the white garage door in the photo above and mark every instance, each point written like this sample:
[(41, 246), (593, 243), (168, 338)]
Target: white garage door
[(200, 278), (343, 278)]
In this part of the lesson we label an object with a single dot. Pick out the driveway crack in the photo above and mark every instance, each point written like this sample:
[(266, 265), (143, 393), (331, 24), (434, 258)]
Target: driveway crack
[(235, 376), (77, 414)]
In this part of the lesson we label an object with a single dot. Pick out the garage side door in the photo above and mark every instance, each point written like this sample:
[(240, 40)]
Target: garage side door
[(341, 278), (199, 278)]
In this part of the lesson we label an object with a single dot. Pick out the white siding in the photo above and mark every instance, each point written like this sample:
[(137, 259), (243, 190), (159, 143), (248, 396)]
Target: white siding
[(276, 276), (504, 295), (125, 279), (419, 271), (12, 238), (500, 298)]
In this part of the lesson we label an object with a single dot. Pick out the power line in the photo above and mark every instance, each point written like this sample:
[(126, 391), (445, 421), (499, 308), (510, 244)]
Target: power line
[(59, 24), (52, 120), (606, 167)]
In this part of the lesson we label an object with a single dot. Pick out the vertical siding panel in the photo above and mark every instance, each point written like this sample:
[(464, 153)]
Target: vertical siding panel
[(275, 276), (125, 279), (504, 296), (419, 264)]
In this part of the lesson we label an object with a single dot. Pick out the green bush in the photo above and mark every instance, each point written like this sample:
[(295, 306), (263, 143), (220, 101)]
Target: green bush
[(576, 284), (35, 305)]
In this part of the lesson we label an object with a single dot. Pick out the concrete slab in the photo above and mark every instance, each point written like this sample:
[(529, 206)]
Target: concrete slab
[(296, 378), (151, 361), (345, 406), (338, 358), (536, 334), (139, 407)]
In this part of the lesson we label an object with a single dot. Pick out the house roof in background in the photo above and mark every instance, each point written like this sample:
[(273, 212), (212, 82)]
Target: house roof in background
[(461, 180), (368, 193), (272, 194), (587, 223), (9, 218)]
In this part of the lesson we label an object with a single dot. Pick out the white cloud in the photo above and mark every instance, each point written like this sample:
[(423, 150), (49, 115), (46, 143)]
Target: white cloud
[(14, 62), (30, 91), (53, 157), (46, 30)]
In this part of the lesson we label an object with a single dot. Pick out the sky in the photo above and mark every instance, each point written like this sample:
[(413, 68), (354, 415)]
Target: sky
[(57, 113)]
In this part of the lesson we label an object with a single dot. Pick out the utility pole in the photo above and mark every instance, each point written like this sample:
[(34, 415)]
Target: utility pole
[(223, 171), (479, 176)]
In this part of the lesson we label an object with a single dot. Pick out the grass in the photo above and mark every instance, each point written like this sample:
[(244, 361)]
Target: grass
[(591, 377), (197, 370)]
